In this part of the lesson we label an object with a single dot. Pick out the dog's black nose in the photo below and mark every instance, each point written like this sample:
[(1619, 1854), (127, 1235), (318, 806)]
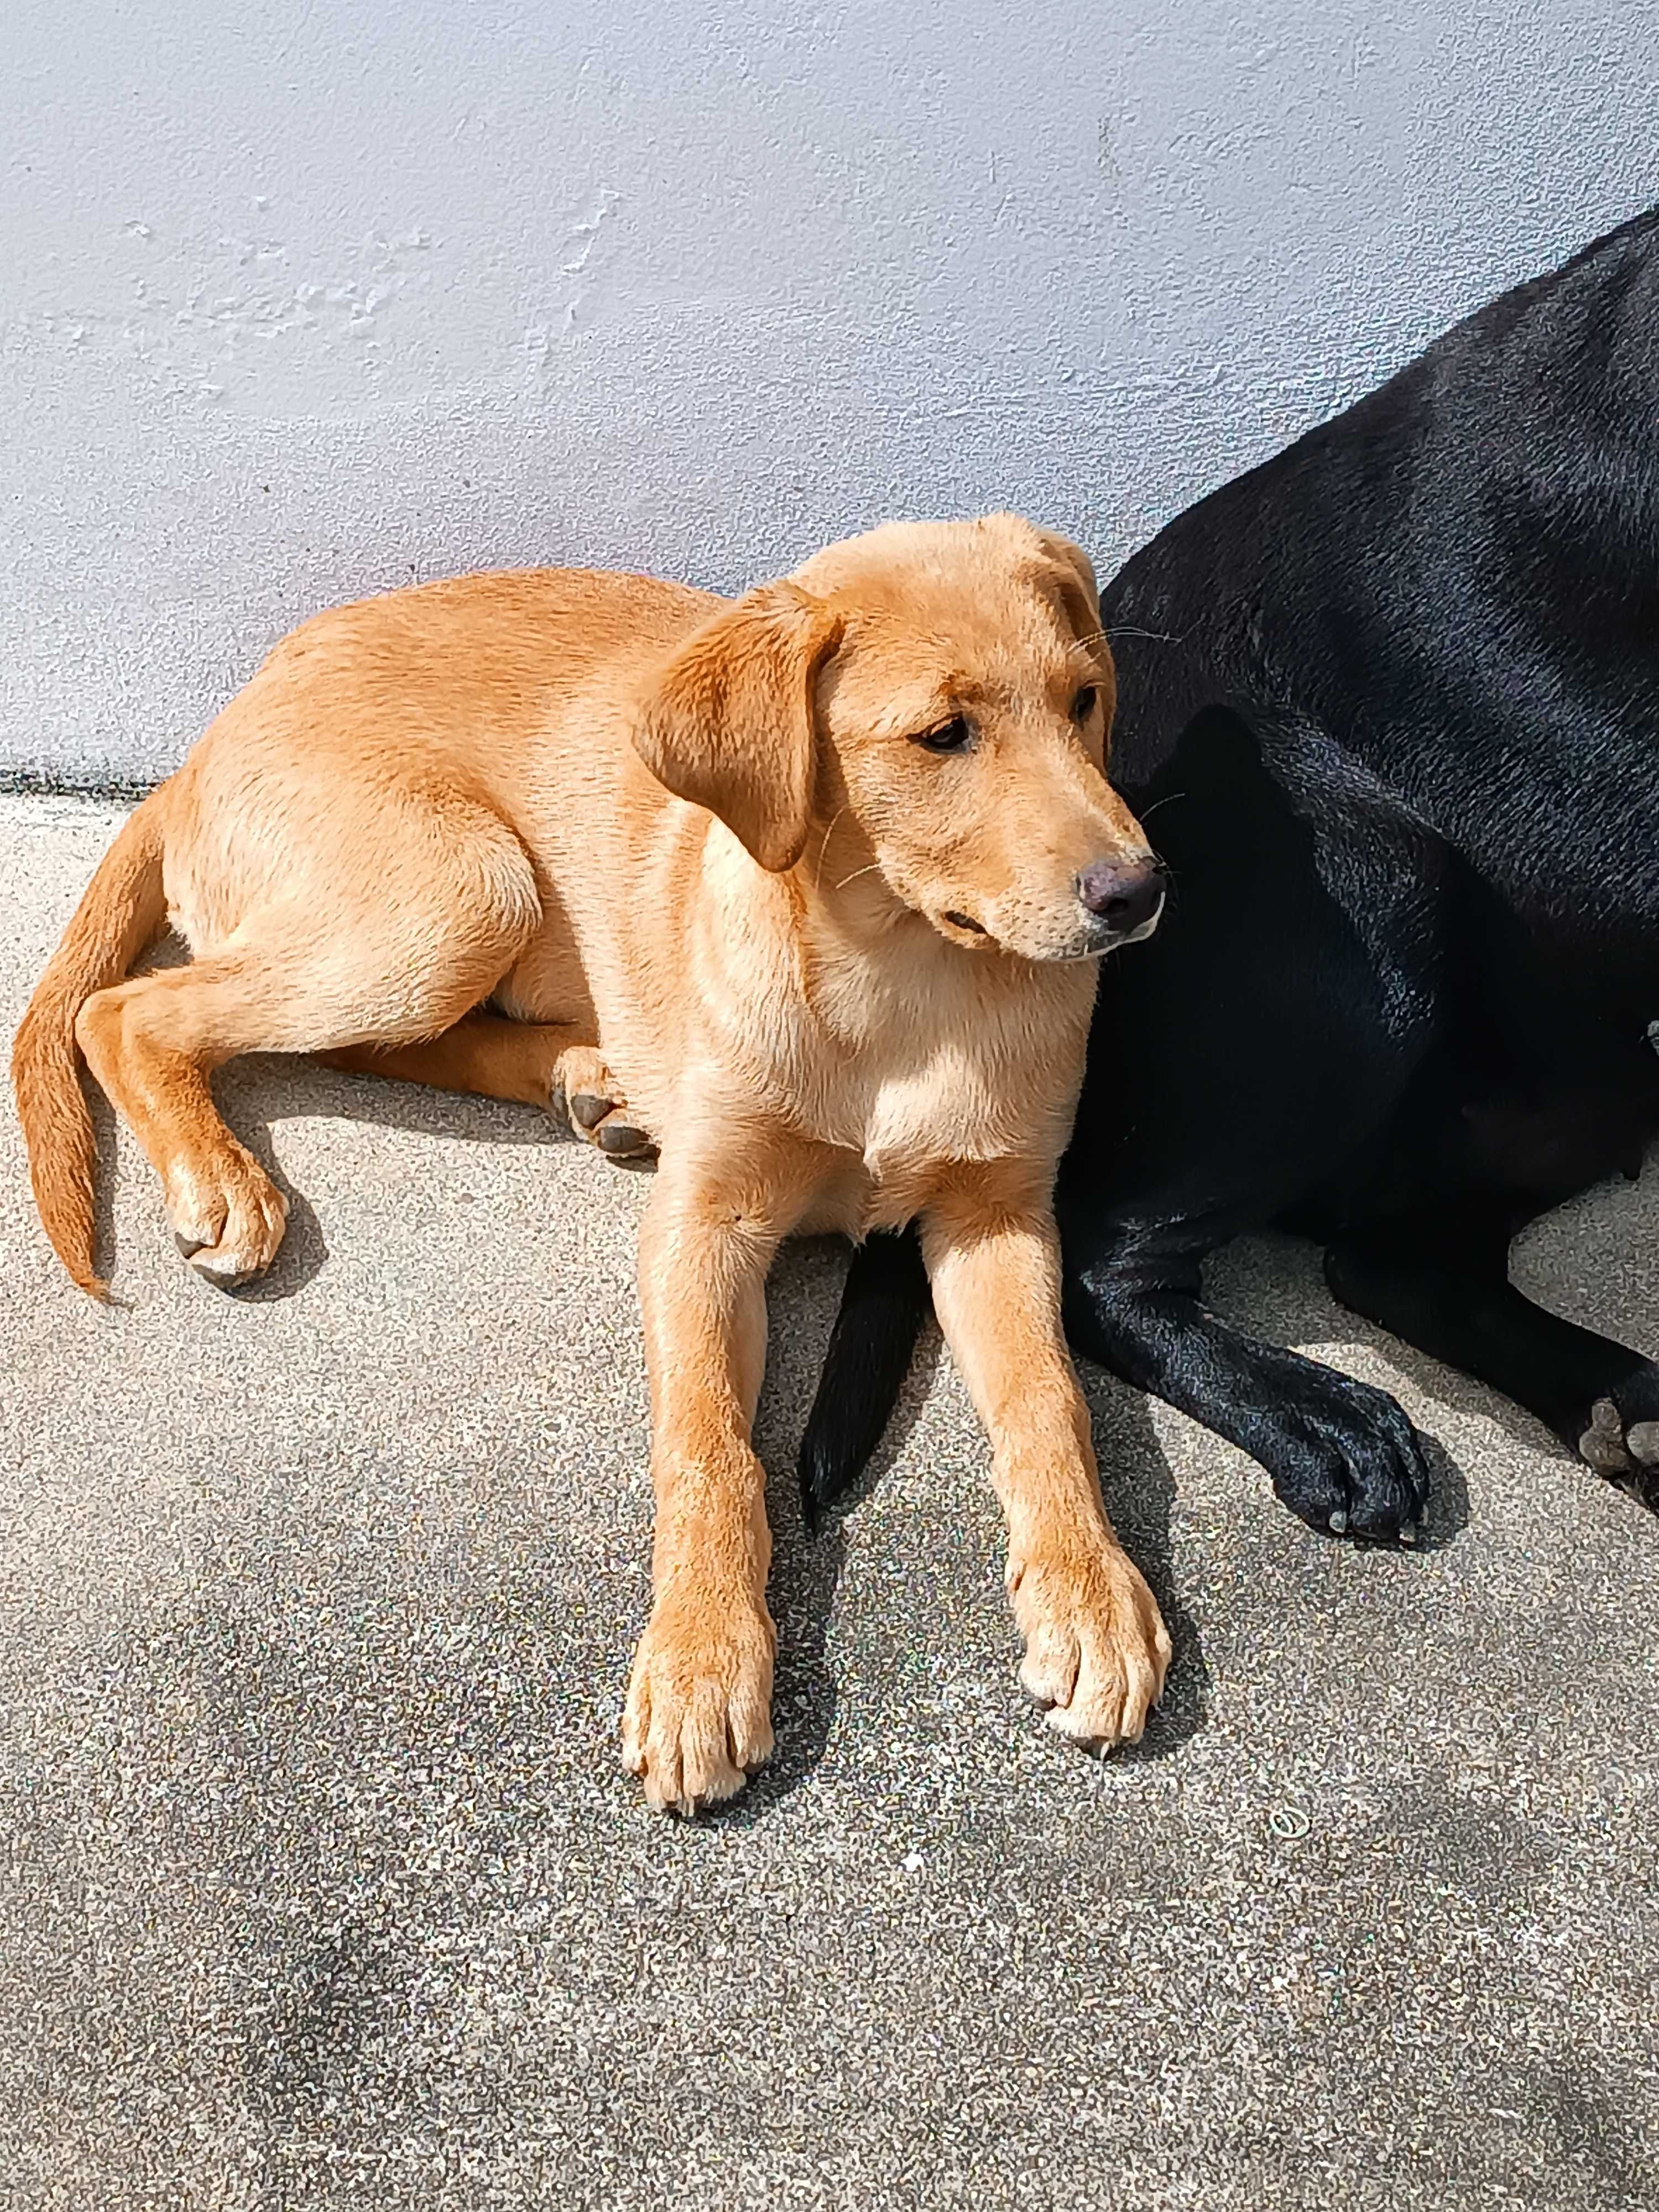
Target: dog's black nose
[(1125, 894)]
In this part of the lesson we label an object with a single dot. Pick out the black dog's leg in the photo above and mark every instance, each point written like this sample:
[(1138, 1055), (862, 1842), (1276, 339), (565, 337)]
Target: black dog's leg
[(884, 1305), (1242, 1061), (1441, 1282), (1342, 1456)]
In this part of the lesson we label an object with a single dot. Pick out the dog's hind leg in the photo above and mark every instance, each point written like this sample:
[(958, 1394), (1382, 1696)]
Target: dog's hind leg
[(1439, 1280), (435, 942), (555, 1065)]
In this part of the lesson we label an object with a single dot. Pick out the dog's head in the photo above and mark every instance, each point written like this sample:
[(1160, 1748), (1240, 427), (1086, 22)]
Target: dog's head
[(935, 699)]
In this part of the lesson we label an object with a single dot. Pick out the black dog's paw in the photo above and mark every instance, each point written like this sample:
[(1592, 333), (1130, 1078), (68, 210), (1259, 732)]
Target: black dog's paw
[(1619, 1437), (1345, 1459)]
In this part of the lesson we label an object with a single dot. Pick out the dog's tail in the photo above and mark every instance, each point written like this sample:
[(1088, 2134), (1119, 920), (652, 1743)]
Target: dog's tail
[(885, 1301), (122, 911)]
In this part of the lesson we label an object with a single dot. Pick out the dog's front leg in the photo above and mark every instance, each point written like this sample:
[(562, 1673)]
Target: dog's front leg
[(1095, 1645), (698, 1712)]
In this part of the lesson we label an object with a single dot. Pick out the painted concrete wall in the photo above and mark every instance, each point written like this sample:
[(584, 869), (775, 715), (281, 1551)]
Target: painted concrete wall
[(302, 302)]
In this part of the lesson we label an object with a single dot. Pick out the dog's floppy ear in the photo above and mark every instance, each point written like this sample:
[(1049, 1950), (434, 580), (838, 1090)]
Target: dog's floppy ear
[(1067, 574), (1063, 572), (730, 722), (1070, 573)]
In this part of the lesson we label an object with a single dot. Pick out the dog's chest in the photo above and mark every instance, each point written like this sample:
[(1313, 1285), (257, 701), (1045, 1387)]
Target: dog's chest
[(908, 1081), (954, 1103)]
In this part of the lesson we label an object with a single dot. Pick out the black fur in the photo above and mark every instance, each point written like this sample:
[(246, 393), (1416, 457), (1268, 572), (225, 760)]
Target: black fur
[(1389, 706), (874, 1336)]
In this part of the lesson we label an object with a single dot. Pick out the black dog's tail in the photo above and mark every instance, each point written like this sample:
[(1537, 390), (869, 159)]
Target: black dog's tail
[(883, 1307)]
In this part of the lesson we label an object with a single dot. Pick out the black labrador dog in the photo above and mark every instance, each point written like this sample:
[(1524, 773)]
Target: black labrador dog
[(1390, 705)]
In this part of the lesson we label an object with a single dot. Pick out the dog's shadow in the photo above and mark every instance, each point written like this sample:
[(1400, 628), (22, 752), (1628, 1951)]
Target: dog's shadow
[(259, 1092), (1139, 1486), (256, 1093), (803, 1292)]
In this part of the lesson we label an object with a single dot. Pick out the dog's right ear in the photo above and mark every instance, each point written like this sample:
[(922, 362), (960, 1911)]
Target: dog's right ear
[(731, 725)]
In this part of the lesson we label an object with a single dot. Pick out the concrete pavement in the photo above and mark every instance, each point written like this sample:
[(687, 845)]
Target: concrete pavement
[(320, 1885)]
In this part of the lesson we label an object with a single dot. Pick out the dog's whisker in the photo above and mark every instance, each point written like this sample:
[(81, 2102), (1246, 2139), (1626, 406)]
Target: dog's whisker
[(817, 873), (856, 873)]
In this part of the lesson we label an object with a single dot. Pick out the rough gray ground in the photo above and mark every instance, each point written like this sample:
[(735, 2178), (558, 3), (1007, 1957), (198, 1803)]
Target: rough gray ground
[(321, 1887)]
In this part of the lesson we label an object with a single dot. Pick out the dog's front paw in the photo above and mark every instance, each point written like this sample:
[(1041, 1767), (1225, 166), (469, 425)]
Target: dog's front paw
[(1345, 1458), (698, 1717), (1097, 1650), (227, 1216)]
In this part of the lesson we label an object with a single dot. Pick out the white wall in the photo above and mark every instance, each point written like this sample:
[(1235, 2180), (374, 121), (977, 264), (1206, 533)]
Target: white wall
[(303, 301)]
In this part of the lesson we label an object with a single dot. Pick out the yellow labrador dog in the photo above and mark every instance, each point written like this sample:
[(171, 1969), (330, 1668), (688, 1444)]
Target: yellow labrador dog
[(805, 888)]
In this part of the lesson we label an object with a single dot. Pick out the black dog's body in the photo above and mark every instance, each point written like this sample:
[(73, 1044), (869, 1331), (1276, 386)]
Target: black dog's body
[(1390, 705)]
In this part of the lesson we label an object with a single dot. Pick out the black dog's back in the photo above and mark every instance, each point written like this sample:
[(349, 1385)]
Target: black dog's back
[(1458, 580)]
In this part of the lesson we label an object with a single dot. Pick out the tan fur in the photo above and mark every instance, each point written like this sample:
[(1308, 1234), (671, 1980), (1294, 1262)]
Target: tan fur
[(682, 862), (122, 911)]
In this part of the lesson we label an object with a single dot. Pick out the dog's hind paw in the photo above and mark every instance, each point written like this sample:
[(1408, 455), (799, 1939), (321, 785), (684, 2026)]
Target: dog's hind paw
[(227, 1216), (1622, 1443), (597, 1109)]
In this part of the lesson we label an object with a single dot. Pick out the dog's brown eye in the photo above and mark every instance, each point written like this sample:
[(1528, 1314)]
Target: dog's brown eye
[(953, 737), (1083, 705)]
